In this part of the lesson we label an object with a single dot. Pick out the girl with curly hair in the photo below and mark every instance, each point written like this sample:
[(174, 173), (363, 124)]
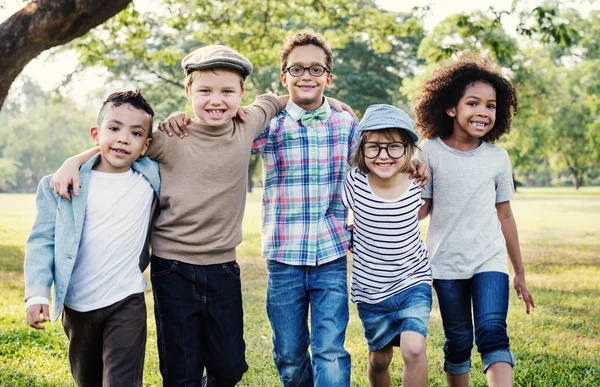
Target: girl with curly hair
[(461, 110)]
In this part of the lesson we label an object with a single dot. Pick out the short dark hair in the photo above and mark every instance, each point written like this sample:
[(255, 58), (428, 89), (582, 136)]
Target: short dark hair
[(133, 98), (305, 38), (446, 87)]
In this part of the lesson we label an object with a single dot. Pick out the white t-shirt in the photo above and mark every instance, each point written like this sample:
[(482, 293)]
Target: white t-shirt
[(388, 254), (464, 235), (114, 232)]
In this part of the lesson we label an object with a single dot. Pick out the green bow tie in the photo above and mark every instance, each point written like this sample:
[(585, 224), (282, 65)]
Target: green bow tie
[(308, 117)]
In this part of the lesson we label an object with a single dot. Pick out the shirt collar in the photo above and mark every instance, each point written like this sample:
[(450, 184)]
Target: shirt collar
[(295, 111)]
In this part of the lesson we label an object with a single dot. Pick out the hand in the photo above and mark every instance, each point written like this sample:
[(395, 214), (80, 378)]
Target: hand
[(350, 229), (176, 124), (420, 172), (522, 292), (66, 176), (241, 113), (37, 314), (340, 106)]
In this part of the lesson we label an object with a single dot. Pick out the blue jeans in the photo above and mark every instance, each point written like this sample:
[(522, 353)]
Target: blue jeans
[(291, 290), (488, 294), (199, 322)]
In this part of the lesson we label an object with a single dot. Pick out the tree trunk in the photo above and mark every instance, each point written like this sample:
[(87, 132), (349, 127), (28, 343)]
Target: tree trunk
[(43, 24), (251, 168)]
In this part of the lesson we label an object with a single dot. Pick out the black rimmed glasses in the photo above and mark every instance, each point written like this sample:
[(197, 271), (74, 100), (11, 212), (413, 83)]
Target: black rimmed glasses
[(394, 149), (314, 70)]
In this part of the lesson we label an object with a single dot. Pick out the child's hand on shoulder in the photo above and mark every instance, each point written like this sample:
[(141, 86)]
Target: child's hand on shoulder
[(522, 292), (37, 314), (176, 123), (339, 106), (420, 172)]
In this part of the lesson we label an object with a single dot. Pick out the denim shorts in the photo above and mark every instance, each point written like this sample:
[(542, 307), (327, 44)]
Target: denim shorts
[(406, 311)]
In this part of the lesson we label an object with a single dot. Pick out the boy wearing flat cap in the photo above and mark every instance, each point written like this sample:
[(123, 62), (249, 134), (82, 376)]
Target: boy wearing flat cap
[(195, 277)]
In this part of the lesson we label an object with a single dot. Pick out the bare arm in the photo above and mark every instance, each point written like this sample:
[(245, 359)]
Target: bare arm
[(424, 210), (68, 173), (509, 229)]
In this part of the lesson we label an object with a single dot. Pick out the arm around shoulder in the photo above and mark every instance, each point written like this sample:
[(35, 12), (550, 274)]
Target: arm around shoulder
[(68, 174)]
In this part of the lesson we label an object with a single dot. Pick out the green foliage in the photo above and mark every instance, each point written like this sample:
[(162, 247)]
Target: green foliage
[(38, 140), (475, 31), (9, 170), (147, 46)]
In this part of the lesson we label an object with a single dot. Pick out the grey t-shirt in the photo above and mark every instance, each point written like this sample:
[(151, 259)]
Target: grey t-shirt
[(464, 235)]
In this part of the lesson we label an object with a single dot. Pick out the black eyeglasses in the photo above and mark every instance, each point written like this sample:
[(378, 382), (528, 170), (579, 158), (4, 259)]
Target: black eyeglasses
[(394, 149), (314, 70)]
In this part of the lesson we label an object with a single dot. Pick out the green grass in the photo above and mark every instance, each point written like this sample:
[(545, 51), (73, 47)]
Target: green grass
[(557, 345)]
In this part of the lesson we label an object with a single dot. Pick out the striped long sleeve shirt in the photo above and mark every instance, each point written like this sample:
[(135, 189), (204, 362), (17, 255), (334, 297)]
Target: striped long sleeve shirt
[(388, 254)]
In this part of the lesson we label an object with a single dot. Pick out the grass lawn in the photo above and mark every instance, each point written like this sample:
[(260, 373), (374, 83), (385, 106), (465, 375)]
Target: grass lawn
[(557, 345)]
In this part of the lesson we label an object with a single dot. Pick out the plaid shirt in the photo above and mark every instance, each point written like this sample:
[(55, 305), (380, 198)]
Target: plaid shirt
[(303, 175)]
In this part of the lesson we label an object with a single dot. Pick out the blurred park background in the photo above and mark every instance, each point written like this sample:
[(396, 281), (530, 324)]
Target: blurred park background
[(550, 50), (384, 49)]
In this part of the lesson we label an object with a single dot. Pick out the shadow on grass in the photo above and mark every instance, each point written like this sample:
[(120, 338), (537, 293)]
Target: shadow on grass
[(11, 258)]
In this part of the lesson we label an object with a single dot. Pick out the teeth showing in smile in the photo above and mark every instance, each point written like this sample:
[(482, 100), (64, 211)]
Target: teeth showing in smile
[(121, 151), (384, 164), (479, 125), (215, 112)]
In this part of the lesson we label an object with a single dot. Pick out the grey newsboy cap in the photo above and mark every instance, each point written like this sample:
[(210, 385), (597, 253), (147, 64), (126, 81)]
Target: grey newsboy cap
[(382, 116), (209, 57)]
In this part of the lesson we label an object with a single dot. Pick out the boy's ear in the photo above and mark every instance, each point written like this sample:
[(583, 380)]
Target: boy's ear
[(146, 146), (188, 93), (94, 132), (283, 78), (242, 93), (328, 80), (451, 111)]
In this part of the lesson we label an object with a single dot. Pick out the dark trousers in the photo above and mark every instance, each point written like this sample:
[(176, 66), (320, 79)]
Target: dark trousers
[(199, 322), (107, 345)]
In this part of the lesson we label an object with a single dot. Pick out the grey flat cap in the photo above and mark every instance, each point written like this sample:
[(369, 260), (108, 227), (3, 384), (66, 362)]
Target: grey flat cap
[(209, 57), (382, 116)]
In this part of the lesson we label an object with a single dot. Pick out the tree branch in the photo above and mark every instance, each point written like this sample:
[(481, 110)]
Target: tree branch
[(43, 24)]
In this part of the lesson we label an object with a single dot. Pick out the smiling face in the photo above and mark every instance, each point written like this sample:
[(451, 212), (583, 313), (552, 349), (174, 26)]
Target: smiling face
[(384, 167), (306, 90), (122, 137), (475, 113), (215, 95)]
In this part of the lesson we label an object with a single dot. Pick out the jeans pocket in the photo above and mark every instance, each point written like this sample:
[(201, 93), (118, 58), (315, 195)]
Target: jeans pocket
[(233, 270), (161, 267)]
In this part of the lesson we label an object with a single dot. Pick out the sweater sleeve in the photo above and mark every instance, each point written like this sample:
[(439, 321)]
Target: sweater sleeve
[(157, 146), (39, 256), (260, 112)]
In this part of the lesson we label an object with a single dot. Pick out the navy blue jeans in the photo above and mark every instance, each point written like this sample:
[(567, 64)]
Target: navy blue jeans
[(290, 293), (199, 322), (488, 294)]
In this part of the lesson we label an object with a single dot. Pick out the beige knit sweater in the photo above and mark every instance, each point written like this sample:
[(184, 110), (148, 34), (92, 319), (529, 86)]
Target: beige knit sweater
[(203, 187)]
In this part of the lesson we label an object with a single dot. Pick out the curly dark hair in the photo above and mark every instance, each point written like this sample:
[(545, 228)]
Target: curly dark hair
[(305, 38), (446, 87)]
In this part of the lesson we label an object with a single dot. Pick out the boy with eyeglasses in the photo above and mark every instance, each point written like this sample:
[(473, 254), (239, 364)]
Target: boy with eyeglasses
[(304, 152)]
